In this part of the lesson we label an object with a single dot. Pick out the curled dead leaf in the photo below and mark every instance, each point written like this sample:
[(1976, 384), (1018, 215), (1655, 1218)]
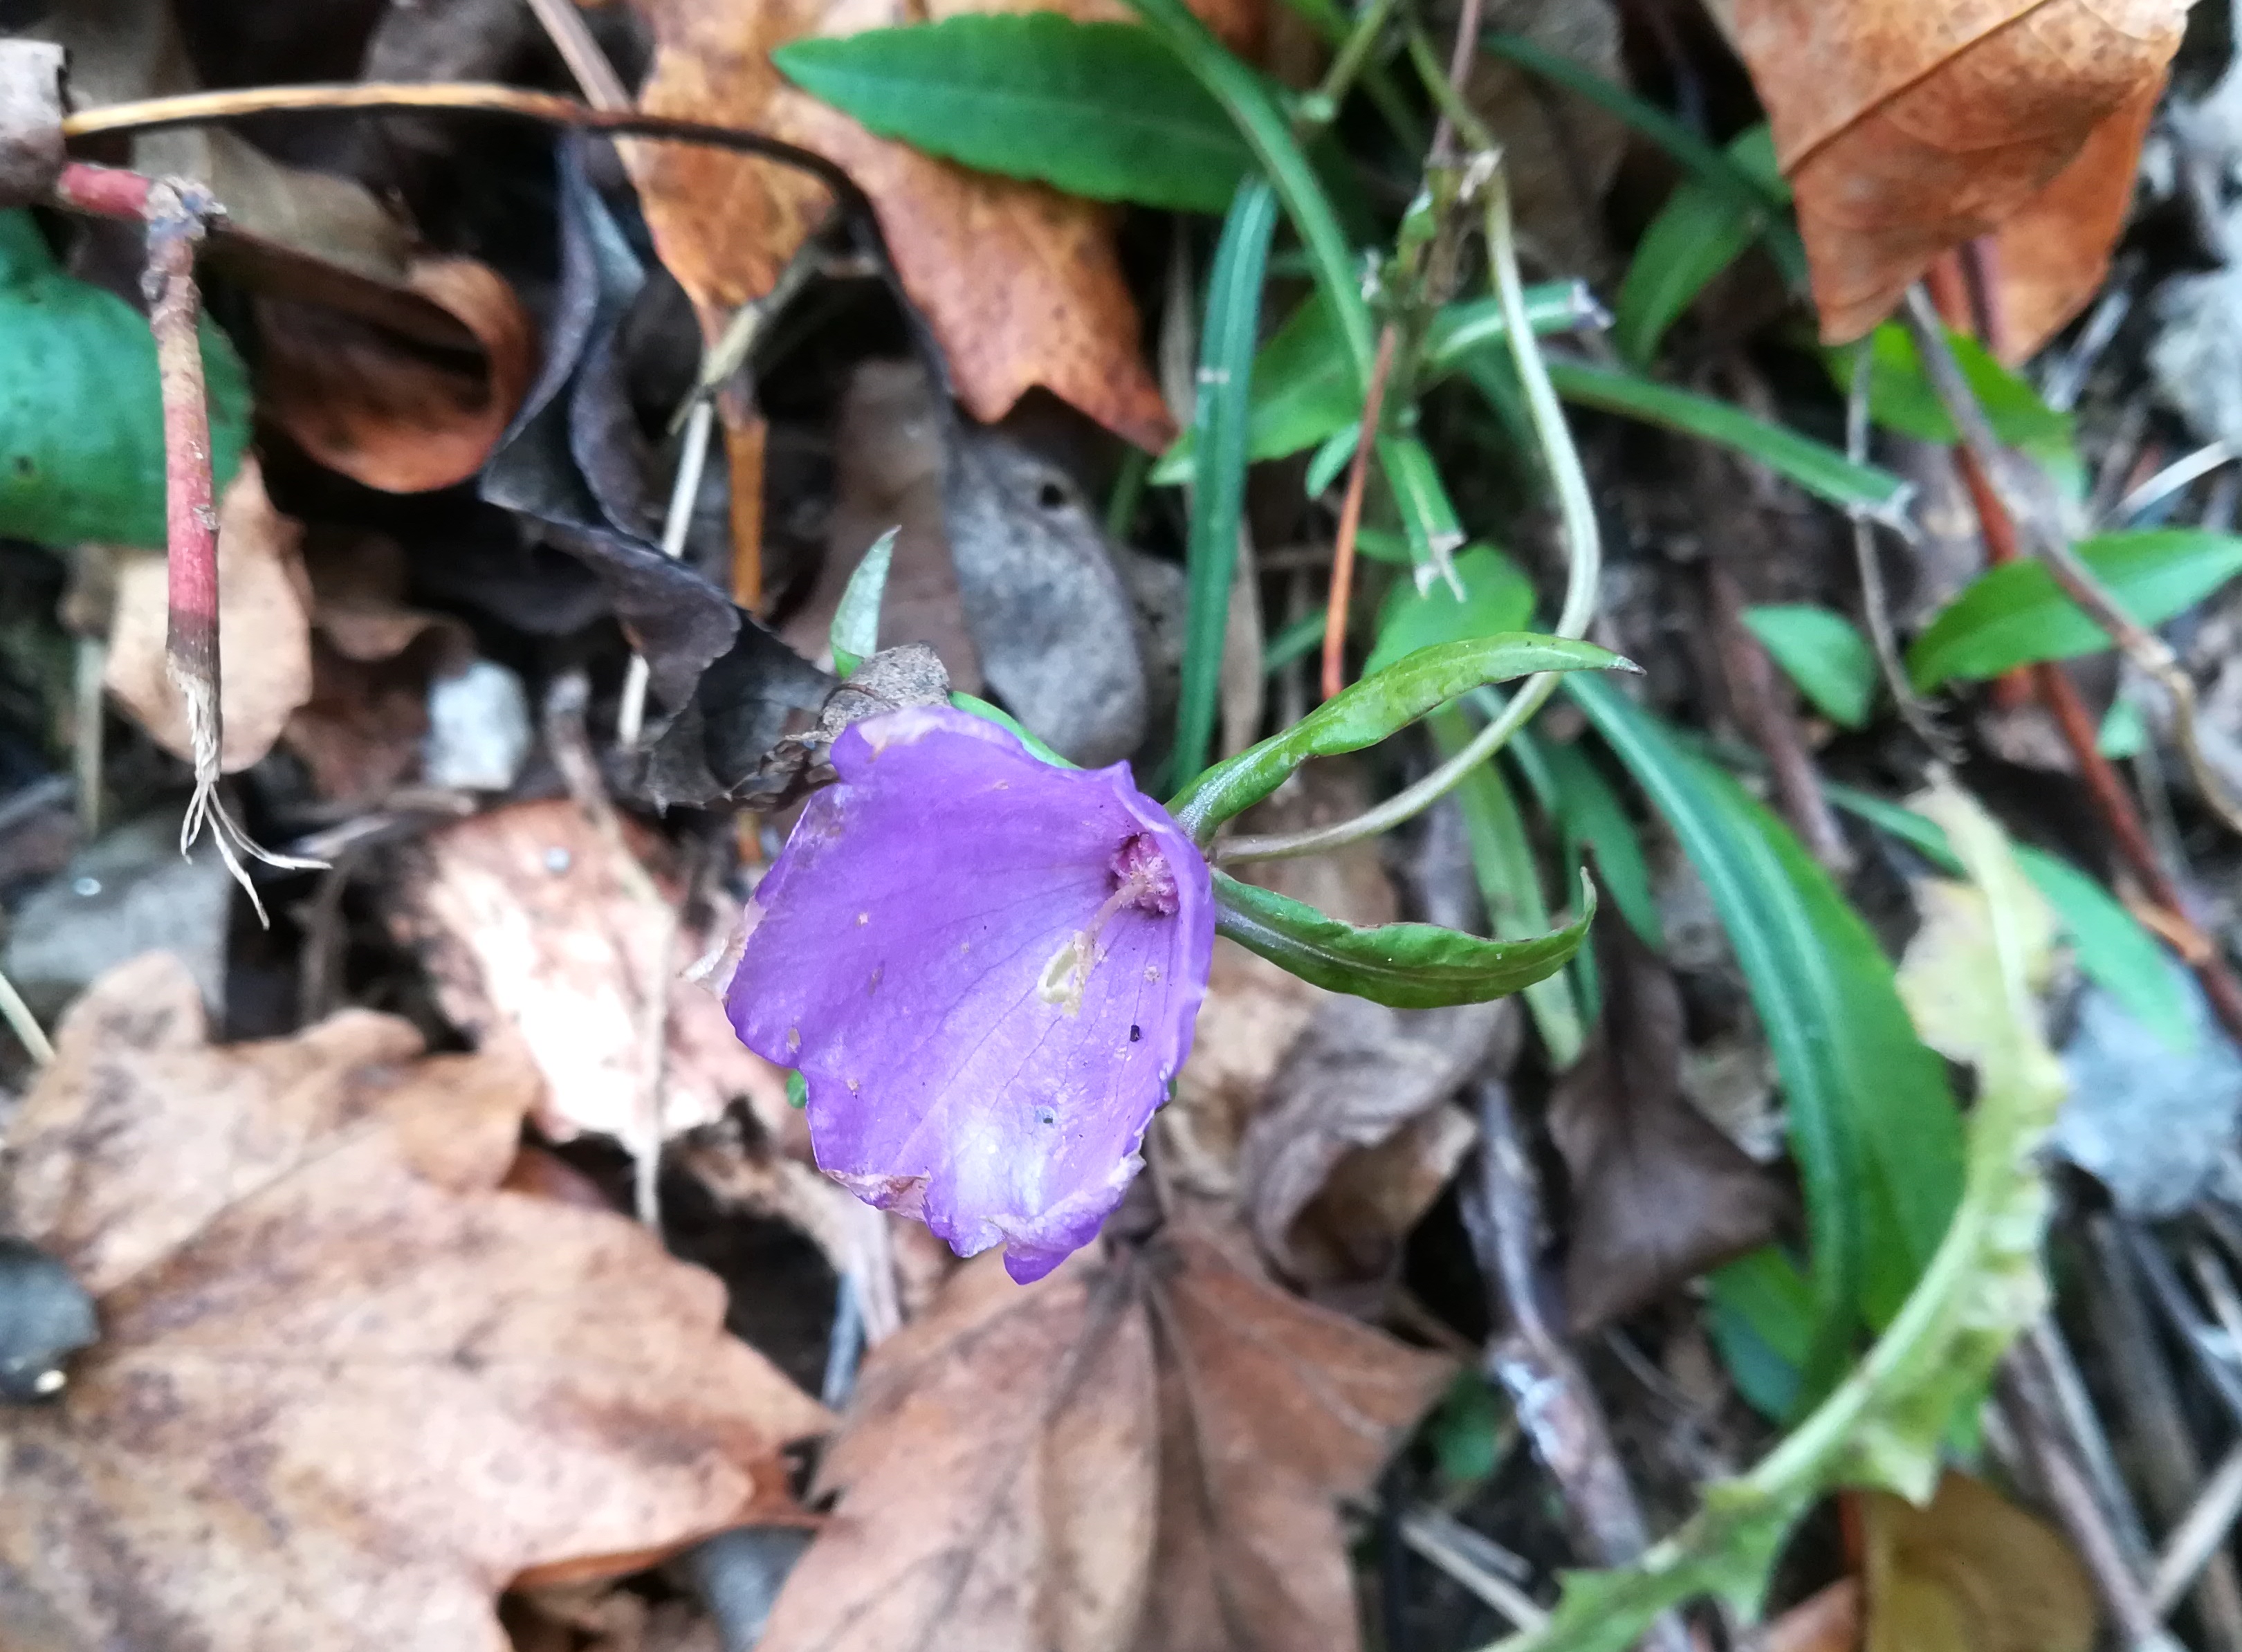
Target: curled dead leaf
[(386, 408), (264, 630), (1909, 126), (346, 1389)]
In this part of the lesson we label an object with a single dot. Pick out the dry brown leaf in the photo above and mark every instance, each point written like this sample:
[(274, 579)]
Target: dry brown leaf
[(377, 405), (1019, 283), (264, 630), (525, 919), (1828, 1621), (1909, 126), (1972, 1573), (1140, 1455), (1659, 1193), (346, 1389)]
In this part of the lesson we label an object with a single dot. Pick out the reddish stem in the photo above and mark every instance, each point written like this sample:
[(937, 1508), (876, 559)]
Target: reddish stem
[(1350, 517), (104, 191)]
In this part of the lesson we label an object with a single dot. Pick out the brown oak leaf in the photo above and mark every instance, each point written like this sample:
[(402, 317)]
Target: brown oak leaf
[(1147, 1453), (1909, 126), (346, 1389)]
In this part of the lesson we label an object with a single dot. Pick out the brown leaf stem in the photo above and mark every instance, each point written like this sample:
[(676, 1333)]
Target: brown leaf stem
[(1350, 516)]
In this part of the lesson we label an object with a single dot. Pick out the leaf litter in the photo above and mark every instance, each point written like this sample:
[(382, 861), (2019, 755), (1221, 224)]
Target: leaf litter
[(371, 1343)]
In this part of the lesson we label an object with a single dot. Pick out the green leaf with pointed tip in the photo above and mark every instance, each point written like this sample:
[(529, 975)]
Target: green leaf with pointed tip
[(1698, 233), (81, 415), (1102, 110), (1372, 709), (1497, 597), (2015, 613), (1872, 1125), (1410, 966), (1587, 811), (1823, 653), (855, 631)]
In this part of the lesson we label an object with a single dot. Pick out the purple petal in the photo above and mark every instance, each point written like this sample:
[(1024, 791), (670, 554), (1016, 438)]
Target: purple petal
[(986, 969)]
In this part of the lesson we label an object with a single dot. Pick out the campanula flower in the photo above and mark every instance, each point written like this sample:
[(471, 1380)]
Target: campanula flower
[(986, 969)]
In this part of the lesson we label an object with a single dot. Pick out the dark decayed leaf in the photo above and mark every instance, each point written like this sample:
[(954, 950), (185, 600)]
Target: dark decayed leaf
[(1102, 110), (1410, 966), (1659, 1193)]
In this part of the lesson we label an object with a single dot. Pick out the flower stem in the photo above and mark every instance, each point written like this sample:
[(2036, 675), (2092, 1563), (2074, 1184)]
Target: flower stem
[(1584, 566)]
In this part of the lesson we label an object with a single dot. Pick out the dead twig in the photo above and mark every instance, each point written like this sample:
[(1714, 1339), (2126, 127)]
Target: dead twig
[(1555, 1405)]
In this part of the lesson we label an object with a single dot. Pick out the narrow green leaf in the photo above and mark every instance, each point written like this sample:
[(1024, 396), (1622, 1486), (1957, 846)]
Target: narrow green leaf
[(1824, 654), (1901, 397), (1004, 719), (2113, 948), (1698, 233), (1368, 711), (1497, 597), (1225, 379), (1873, 1126), (1097, 108), (1587, 811), (1428, 518), (1510, 884), (1815, 466), (855, 632), (2015, 613), (1304, 387), (1411, 966), (1253, 108), (81, 416), (1767, 202)]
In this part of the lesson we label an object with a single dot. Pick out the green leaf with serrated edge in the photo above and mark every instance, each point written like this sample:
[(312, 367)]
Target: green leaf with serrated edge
[(1815, 466), (1698, 233), (1497, 597), (2015, 613), (1226, 379), (1873, 1126), (1372, 709), (855, 631), (1882, 1426), (1102, 110), (1409, 966), (1823, 653), (1304, 388), (1587, 811), (81, 414), (1509, 882), (2114, 949)]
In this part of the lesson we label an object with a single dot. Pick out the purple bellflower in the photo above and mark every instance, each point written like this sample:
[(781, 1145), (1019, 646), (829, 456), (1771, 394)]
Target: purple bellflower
[(986, 969)]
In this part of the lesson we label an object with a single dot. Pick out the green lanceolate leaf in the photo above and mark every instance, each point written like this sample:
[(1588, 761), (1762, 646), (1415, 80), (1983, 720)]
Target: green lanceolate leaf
[(1225, 379), (1901, 397), (1587, 812), (80, 417), (1497, 597), (1304, 387), (1411, 966), (1698, 233), (855, 630), (1882, 1425), (1510, 883), (1815, 466), (1872, 1125), (2015, 613), (1824, 654), (1097, 109), (1372, 709)]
